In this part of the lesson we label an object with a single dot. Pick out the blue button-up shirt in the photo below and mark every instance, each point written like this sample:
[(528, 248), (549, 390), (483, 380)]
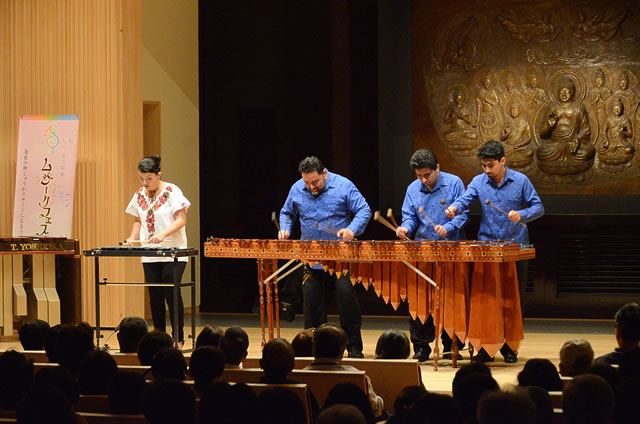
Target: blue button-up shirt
[(448, 187), (323, 215), (515, 192)]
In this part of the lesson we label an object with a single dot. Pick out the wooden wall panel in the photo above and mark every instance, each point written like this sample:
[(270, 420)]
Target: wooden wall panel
[(80, 57)]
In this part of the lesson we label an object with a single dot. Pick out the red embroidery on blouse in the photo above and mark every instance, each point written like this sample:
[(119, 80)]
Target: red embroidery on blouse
[(150, 219)]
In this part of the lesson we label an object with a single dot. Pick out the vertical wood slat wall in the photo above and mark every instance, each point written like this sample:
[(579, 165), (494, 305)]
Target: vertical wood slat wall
[(80, 57)]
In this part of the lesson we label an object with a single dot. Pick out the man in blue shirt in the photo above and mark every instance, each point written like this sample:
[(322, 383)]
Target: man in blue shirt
[(431, 187), (512, 192), (324, 202)]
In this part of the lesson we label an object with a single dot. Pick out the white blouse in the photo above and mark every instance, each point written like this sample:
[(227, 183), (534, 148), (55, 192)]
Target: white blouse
[(157, 214)]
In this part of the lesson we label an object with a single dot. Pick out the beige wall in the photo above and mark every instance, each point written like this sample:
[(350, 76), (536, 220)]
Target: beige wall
[(170, 76), (82, 58)]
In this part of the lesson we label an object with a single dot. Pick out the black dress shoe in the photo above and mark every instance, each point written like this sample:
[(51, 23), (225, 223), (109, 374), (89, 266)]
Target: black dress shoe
[(422, 354), (510, 357), (449, 355), (483, 357), (355, 353)]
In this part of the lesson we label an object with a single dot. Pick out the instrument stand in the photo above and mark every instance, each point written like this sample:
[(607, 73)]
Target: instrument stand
[(175, 254)]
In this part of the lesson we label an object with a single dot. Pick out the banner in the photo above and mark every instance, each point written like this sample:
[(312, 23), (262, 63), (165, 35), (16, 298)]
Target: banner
[(45, 176)]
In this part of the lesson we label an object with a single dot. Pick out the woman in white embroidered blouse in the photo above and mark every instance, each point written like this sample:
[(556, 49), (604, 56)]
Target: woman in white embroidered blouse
[(160, 211)]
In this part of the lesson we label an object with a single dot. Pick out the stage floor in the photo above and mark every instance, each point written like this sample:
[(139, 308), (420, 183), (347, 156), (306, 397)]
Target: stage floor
[(543, 339)]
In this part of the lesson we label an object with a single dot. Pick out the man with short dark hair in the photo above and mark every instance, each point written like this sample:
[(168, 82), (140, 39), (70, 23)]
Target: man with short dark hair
[(33, 334), (277, 362), (429, 194), (152, 342), (130, 331), (329, 207), (627, 334), (329, 343), (235, 345), (512, 192)]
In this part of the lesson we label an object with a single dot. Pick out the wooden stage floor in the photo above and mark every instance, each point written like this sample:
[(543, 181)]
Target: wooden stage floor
[(543, 339)]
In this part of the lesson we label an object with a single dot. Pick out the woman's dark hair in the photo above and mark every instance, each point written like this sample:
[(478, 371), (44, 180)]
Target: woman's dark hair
[(149, 164)]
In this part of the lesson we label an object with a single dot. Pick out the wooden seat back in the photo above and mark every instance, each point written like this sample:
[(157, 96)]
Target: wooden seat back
[(388, 376), (319, 382), (98, 418), (300, 390), (93, 403)]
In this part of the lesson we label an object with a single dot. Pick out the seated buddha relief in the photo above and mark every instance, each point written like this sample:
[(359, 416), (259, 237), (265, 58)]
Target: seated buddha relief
[(565, 133)]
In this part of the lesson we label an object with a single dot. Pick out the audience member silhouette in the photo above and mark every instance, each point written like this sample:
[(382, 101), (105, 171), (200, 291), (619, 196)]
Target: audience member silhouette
[(229, 404), (277, 362), (62, 380), (626, 408), (468, 389), (587, 399), (235, 345), (125, 394), (97, 373), (434, 408), (152, 343), (50, 343), (610, 374), (45, 404), (506, 408), (543, 403), (541, 373), (16, 378), (393, 344), (169, 363), (130, 331), (341, 414), (72, 345), (281, 406), (302, 343), (169, 401), (33, 334), (350, 394), (209, 336), (576, 356), (627, 333), (205, 367), (329, 344), (404, 402)]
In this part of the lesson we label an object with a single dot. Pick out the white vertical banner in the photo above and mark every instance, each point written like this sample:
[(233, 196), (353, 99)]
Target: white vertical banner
[(45, 176)]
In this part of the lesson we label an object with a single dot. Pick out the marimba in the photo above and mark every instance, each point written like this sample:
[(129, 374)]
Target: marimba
[(28, 280), (407, 270), (149, 251)]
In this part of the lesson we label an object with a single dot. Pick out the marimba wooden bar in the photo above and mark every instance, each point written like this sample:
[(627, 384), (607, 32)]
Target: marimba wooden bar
[(400, 270)]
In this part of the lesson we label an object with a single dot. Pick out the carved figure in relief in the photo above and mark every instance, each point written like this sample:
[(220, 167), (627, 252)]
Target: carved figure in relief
[(461, 47), (536, 28), (599, 93), (516, 137), (511, 92), (594, 27), (459, 132), (617, 149), (566, 147), (622, 80), (534, 94), (487, 105)]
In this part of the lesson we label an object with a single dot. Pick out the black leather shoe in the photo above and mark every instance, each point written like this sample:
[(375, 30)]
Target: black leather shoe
[(355, 352), (510, 357), (483, 357), (422, 354), (449, 355)]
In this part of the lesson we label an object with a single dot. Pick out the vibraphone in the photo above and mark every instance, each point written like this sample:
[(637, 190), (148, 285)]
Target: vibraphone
[(411, 271), (28, 280), (174, 253)]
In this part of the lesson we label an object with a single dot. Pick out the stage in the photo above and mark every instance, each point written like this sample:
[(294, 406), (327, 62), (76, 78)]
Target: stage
[(543, 339)]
